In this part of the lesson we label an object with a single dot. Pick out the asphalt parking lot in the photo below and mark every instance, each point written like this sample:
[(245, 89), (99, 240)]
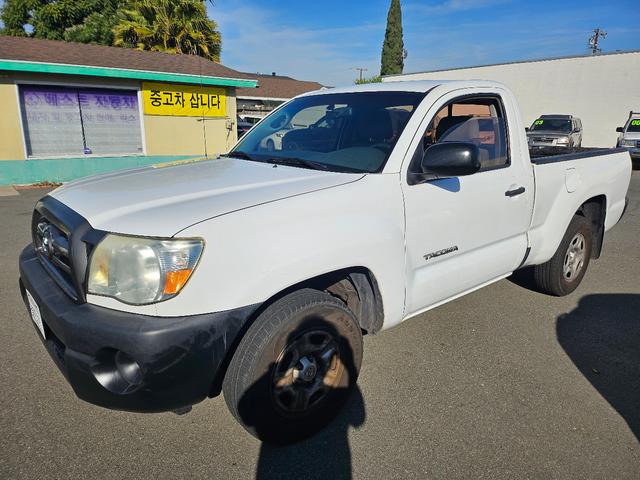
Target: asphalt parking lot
[(502, 383)]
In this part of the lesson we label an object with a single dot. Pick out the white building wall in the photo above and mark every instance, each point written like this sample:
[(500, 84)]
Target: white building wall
[(601, 90)]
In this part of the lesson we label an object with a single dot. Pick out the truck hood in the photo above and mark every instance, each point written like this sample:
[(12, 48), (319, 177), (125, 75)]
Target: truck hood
[(163, 199)]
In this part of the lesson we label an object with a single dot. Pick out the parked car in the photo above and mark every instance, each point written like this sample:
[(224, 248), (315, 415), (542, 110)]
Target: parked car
[(257, 274), (630, 135), (252, 119), (274, 141), (555, 134), (322, 135), (242, 126)]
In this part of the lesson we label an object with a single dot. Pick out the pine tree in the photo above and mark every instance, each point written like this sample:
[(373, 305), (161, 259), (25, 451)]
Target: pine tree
[(393, 46)]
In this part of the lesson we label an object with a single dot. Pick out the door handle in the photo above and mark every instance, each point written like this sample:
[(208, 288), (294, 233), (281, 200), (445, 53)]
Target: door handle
[(514, 192)]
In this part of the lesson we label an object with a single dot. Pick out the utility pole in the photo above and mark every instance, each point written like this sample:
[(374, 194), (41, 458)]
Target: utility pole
[(594, 40), (360, 69)]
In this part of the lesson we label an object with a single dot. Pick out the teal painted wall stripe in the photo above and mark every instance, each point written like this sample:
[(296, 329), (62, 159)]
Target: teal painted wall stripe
[(25, 172), (17, 66)]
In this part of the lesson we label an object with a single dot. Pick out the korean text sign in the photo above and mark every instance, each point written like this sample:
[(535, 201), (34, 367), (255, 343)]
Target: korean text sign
[(183, 100)]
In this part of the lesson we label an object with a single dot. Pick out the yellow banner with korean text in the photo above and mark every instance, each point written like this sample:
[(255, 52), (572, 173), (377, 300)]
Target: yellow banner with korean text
[(183, 100)]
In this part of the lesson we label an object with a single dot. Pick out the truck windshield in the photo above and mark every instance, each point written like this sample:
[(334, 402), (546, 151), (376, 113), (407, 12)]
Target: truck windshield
[(350, 132), (552, 125), (634, 126)]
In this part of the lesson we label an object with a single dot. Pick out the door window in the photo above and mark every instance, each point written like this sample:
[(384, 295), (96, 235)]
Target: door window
[(477, 120)]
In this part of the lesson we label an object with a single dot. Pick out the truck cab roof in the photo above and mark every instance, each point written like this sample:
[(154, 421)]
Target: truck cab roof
[(558, 116), (406, 86)]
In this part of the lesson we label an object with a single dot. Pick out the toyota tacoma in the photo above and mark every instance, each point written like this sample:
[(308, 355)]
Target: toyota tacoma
[(257, 274)]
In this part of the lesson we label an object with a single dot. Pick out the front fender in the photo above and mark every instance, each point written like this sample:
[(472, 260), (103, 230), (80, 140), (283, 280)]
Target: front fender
[(252, 254)]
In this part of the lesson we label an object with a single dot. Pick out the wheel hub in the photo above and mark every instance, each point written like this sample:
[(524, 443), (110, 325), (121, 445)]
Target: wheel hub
[(574, 258), (306, 371)]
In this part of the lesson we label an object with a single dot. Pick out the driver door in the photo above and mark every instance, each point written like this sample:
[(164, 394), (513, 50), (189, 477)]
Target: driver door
[(465, 231)]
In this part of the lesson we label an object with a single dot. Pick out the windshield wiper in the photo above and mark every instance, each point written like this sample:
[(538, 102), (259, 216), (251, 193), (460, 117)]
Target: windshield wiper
[(238, 154), (293, 161), (298, 162)]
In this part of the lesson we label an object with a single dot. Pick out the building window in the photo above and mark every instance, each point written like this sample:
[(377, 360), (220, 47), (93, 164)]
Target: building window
[(80, 121)]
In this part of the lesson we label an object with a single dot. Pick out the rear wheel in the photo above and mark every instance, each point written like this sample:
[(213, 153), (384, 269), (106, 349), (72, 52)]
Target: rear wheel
[(295, 367), (563, 273)]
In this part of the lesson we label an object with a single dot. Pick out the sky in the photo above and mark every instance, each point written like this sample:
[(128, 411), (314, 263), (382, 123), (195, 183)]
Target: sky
[(326, 40)]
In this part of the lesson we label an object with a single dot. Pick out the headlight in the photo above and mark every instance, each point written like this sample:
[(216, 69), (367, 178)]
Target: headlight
[(562, 140), (139, 271), (628, 143)]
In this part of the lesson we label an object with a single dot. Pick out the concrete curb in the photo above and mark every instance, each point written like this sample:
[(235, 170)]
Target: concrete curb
[(7, 191)]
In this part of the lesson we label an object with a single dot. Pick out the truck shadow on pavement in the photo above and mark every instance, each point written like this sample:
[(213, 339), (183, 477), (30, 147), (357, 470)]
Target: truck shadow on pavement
[(325, 455), (602, 338), (523, 278)]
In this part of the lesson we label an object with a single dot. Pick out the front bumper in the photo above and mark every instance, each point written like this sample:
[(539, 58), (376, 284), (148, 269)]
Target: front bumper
[(127, 361)]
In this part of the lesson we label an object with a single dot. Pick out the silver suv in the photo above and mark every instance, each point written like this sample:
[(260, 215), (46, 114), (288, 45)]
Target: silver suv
[(630, 135), (555, 134)]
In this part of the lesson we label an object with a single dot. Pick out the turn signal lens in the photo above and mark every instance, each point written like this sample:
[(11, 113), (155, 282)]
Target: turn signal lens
[(174, 281)]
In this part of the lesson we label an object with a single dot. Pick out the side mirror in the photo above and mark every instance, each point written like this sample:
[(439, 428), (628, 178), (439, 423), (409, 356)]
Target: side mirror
[(620, 129), (526, 129), (451, 159)]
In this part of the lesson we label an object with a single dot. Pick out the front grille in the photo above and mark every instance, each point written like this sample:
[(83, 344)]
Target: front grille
[(62, 239), (53, 243), (53, 248)]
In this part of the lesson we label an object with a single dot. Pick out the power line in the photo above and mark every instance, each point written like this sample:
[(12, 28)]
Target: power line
[(360, 69), (594, 40)]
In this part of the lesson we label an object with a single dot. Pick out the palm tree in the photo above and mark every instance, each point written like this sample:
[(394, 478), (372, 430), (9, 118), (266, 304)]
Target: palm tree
[(172, 26)]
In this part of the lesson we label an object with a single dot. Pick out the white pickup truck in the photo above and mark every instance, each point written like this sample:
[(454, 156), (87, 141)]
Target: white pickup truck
[(257, 274)]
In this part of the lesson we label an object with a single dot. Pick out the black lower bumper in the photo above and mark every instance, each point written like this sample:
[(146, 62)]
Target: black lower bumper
[(127, 361)]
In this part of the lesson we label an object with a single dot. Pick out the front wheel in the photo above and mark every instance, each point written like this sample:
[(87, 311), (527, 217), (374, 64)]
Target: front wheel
[(563, 273), (578, 146), (295, 367)]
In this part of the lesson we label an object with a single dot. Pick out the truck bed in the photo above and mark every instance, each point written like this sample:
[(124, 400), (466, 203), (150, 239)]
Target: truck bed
[(564, 182), (540, 158)]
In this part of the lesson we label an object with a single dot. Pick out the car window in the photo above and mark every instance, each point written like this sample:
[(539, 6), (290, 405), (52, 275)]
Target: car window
[(558, 125), (342, 132), (634, 126), (479, 121)]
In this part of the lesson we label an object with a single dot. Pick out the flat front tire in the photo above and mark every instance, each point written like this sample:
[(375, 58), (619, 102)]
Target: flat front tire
[(295, 367), (563, 273)]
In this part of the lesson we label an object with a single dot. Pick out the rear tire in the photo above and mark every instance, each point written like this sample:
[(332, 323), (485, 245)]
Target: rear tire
[(295, 367), (563, 273)]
